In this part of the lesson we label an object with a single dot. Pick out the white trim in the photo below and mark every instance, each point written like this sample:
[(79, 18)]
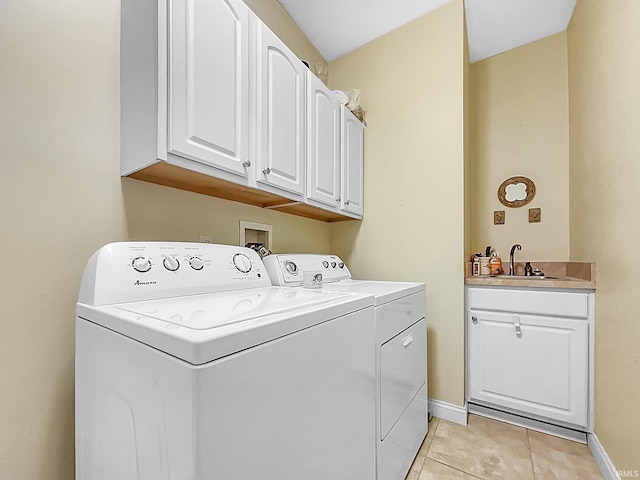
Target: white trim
[(447, 411), (603, 461)]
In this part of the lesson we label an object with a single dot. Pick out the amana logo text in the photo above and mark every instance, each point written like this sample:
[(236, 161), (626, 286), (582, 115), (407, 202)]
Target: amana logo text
[(138, 282)]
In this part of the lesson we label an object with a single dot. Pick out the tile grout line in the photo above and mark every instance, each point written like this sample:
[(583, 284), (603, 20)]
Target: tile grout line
[(457, 469), (426, 457), (426, 454), (533, 470)]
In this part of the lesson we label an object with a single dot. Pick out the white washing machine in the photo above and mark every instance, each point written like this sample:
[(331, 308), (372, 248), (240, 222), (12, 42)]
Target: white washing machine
[(191, 366), (401, 352)]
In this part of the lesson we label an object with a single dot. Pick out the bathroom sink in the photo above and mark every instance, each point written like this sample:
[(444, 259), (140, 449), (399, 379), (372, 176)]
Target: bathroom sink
[(523, 277)]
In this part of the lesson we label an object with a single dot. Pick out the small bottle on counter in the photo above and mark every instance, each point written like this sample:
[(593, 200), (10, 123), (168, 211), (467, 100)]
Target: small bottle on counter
[(528, 271), (495, 264), (475, 265)]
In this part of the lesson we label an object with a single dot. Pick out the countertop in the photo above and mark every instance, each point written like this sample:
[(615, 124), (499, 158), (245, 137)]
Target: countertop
[(578, 275)]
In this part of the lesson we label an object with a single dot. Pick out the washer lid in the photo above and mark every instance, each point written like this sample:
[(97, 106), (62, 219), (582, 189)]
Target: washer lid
[(203, 312), (202, 328)]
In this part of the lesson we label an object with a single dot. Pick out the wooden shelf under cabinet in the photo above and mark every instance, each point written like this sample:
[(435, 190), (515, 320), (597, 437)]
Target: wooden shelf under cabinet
[(163, 173)]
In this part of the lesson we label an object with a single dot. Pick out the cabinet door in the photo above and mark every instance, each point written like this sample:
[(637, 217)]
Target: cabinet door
[(280, 116), (541, 371), (323, 128), (352, 167), (208, 82)]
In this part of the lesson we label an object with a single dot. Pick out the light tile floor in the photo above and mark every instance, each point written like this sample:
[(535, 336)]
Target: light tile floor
[(488, 449)]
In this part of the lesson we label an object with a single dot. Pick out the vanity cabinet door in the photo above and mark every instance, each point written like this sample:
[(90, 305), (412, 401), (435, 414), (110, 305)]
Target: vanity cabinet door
[(280, 114), (323, 145), (208, 82), (530, 364)]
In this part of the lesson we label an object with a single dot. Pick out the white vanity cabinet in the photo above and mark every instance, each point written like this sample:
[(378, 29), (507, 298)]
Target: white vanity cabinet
[(529, 353), (352, 140), (280, 107), (323, 145)]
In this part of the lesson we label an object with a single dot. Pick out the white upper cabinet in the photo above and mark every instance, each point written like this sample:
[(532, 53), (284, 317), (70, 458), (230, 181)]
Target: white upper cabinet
[(323, 149), (211, 101), (280, 122), (208, 82), (352, 163)]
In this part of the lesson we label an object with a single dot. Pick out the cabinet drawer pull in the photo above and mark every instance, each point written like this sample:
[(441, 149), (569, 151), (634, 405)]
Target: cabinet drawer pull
[(406, 341), (474, 319)]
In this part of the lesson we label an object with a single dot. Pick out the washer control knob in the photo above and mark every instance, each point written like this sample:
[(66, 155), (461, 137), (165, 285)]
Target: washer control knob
[(170, 263), (325, 264), (196, 263), (341, 265), (291, 267), (141, 264), (242, 262), (333, 264)]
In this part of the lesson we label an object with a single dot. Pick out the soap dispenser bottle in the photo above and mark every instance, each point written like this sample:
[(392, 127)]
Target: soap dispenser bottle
[(528, 271), (495, 264)]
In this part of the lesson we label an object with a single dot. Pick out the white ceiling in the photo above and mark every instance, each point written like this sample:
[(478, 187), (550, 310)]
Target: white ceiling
[(495, 26), (337, 27)]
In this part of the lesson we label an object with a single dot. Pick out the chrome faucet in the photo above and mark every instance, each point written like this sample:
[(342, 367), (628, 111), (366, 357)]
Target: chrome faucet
[(513, 250)]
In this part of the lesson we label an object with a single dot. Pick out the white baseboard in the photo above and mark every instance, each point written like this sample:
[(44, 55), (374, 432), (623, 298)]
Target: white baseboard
[(603, 461), (447, 411)]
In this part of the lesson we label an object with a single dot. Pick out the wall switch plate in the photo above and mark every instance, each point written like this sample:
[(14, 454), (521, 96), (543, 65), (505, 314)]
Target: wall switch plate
[(534, 215), (498, 217), (206, 238)]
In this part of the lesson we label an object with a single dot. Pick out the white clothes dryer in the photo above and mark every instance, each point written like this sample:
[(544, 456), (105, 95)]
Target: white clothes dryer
[(190, 365), (401, 352)]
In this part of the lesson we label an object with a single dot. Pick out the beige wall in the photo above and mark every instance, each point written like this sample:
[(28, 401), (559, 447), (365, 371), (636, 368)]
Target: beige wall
[(604, 68), (469, 139), (62, 198), (413, 229), (521, 127)]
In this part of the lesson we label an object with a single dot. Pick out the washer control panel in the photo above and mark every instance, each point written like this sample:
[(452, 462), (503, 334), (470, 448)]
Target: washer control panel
[(287, 269), (131, 271)]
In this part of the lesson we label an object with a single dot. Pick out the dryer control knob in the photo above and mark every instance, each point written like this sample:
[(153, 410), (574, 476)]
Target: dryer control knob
[(333, 264), (141, 264), (291, 267), (325, 264), (196, 263), (242, 262), (171, 264)]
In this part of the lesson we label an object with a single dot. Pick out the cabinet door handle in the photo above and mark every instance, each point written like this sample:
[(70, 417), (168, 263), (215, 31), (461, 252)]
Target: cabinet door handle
[(406, 341), (246, 163), (346, 202), (266, 171), (474, 319), (338, 199), (516, 323)]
